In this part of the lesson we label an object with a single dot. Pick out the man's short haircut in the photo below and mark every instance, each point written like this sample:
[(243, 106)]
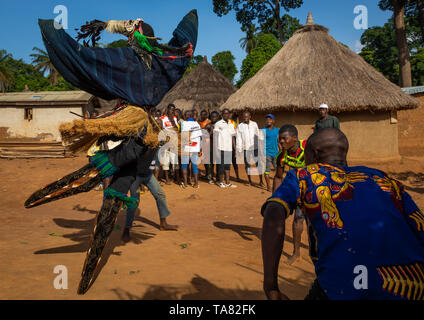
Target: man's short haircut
[(187, 111), (215, 112), (246, 111), (330, 140), (203, 111), (171, 105), (226, 110), (291, 129)]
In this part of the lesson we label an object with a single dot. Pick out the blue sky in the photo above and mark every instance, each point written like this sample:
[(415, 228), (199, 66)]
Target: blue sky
[(19, 31)]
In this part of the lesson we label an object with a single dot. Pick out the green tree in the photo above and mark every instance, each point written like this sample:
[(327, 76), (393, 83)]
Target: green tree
[(62, 85), (248, 43), (248, 11), (417, 66), (267, 47), (194, 62), (416, 8), (6, 77), (20, 74), (398, 7), (224, 62), (24, 74), (117, 44), (290, 26), (413, 8), (42, 62), (381, 52)]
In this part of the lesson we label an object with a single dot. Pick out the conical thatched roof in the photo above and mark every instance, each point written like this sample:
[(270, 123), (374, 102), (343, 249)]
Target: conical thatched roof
[(202, 88), (313, 68)]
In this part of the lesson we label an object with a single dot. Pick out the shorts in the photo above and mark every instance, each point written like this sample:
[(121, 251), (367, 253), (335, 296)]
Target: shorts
[(168, 158), (269, 160), (185, 160), (225, 161)]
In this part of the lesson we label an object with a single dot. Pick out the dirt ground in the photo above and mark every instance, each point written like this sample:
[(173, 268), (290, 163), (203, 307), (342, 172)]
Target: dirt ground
[(216, 254)]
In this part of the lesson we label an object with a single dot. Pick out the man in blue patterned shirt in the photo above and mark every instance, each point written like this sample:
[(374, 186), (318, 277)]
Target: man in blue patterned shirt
[(366, 234)]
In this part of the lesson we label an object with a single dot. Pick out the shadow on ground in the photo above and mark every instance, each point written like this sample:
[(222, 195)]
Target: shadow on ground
[(248, 232), (83, 237), (199, 288), (85, 227)]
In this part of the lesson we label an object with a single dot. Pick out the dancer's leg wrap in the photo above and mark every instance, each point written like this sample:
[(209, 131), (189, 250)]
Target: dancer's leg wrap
[(105, 222), (128, 202)]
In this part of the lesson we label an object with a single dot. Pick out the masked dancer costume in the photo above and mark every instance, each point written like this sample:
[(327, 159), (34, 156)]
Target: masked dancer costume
[(141, 73)]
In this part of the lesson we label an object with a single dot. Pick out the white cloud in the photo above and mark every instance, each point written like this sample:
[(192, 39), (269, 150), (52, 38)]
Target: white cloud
[(358, 46)]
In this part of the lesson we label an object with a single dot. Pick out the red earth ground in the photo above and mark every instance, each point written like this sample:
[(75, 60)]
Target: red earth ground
[(216, 254)]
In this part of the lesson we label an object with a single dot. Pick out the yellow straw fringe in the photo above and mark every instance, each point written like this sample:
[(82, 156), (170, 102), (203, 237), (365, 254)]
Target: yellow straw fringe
[(79, 135)]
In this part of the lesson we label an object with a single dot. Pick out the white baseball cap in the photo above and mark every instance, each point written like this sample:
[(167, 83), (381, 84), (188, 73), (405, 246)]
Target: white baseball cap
[(323, 106)]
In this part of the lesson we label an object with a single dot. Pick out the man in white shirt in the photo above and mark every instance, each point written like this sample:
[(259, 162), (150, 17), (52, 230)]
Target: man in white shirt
[(190, 141), (224, 142), (247, 143), (169, 153)]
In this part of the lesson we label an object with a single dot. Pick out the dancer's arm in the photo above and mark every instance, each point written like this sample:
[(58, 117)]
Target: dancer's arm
[(273, 232)]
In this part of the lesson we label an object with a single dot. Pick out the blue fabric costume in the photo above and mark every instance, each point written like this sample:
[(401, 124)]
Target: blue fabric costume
[(111, 73), (142, 78), (358, 217)]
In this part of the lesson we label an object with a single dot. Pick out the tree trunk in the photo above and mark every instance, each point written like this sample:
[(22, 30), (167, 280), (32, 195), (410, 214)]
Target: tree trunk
[(53, 77), (402, 45), (278, 18), (421, 17)]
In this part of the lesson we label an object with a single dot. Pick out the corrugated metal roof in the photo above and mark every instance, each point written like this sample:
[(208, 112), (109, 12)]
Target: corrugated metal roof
[(45, 97), (414, 90)]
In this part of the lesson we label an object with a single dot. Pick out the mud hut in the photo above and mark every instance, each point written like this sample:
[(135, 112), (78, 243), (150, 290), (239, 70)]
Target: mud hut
[(313, 68), (203, 88), (37, 115), (29, 121), (411, 128)]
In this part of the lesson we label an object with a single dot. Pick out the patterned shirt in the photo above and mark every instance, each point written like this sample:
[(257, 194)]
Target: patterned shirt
[(167, 124), (203, 124), (358, 219), (295, 160)]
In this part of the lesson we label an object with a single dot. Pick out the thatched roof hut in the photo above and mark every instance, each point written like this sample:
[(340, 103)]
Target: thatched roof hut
[(313, 68), (202, 88)]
